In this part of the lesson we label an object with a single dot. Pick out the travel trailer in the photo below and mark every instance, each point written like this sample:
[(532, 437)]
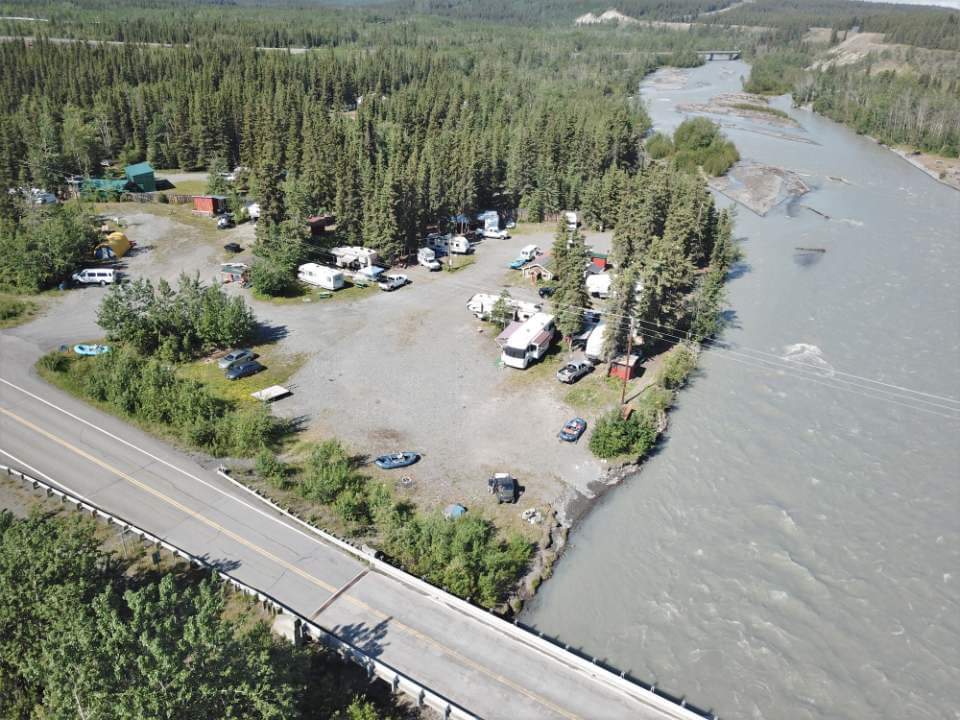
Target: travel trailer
[(320, 275)]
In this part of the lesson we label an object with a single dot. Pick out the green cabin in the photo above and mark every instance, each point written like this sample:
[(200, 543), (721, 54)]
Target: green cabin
[(142, 176)]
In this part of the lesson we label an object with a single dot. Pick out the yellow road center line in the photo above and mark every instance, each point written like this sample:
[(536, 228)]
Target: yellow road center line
[(288, 566)]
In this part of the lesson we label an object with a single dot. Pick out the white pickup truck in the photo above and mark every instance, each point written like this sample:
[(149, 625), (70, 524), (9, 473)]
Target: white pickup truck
[(392, 282)]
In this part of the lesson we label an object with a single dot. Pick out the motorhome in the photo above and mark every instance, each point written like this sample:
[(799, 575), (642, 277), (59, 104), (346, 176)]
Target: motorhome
[(95, 276), (321, 276), (428, 258), (481, 305), (529, 342), (355, 257)]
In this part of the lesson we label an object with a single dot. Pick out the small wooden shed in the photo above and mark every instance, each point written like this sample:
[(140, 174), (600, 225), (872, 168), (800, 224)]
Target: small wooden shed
[(625, 368), (209, 204)]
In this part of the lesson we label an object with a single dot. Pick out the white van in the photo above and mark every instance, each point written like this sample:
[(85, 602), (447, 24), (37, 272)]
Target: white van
[(529, 342), (321, 276), (96, 276), (598, 285)]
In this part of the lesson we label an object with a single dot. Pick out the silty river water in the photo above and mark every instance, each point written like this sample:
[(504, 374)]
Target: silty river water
[(793, 549)]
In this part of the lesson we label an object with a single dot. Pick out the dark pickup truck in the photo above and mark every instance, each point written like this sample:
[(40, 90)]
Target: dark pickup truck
[(504, 487)]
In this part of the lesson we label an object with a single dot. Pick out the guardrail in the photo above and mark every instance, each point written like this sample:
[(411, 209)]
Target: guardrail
[(561, 652), (397, 680)]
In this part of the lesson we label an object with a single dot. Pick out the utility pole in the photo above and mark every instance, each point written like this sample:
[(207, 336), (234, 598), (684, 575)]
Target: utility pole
[(623, 387)]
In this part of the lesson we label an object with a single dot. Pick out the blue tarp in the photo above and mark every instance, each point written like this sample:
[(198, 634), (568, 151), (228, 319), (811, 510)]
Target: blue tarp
[(454, 511)]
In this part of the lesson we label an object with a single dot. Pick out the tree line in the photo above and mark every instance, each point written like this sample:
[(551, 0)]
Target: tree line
[(88, 633)]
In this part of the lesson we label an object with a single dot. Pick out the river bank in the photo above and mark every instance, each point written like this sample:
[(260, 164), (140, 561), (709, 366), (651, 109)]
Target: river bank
[(791, 551)]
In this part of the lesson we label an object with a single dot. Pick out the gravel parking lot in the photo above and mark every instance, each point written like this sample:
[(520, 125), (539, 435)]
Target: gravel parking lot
[(407, 370)]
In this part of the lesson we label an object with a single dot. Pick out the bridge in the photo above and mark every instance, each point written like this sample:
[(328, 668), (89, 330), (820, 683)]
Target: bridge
[(719, 54), (445, 653)]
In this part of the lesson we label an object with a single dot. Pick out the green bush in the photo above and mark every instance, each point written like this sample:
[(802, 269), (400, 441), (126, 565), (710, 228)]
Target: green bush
[(659, 146), (612, 435), (677, 367), (181, 323), (272, 469), (149, 390)]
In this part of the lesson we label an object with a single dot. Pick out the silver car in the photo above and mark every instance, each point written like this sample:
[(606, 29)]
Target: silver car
[(234, 357), (571, 372)]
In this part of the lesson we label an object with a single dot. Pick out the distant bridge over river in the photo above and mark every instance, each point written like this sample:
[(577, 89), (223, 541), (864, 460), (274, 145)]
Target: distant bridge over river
[(719, 54)]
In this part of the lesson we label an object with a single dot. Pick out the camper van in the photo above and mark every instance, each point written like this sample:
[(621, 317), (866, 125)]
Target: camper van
[(428, 258), (529, 342), (321, 276), (95, 276), (481, 305)]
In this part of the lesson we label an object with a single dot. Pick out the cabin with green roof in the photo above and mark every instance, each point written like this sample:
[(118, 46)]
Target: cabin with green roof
[(142, 176)]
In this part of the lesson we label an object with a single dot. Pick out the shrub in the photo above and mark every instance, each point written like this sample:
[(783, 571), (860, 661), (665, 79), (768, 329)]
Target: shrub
[(612, 435), (269, 467), (54, 362)]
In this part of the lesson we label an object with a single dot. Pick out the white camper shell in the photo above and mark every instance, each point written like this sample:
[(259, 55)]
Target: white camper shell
[(529, 343), (481, 305), (326, 277)]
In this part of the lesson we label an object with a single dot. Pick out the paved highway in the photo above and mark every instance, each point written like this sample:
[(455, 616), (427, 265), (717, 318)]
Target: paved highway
[(479, 663)]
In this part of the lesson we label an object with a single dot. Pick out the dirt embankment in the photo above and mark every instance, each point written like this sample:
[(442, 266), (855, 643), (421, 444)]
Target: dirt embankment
[(943, 169)]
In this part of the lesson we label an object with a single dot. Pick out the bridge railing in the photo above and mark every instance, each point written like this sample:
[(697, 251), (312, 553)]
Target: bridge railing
[(397, 680)]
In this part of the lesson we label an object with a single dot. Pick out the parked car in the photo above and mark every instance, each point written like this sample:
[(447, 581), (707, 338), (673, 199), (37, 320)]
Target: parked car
[(511, 224), (96, 276), (225, 222), (396, 460), (571, 372), (518, 263), (392, 282), (244, 369), (573, 429), (504, 486), (492, 234), (546, 291), (235, 356), (233, 247)]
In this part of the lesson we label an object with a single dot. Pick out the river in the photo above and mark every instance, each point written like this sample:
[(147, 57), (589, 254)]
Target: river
[(793, 548)]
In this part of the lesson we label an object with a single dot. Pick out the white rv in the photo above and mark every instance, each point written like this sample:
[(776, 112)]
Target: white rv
[(598, 285), (571, 219), (481, 305), (529, 342), (355, 257), (451, 244), (529, 252), (321, 276)]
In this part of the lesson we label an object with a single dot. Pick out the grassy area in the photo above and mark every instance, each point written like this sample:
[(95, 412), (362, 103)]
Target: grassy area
[(527, 228), (459, 263), (16, 310), (752, 107), (595, 393), (541, 371), (280, 368), (189, 187)]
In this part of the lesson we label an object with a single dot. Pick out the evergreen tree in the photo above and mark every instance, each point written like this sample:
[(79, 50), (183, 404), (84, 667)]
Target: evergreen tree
[(570, 297), (619, 312)]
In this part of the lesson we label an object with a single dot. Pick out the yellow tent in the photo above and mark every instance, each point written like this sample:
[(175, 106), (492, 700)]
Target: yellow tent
[(114, 247)]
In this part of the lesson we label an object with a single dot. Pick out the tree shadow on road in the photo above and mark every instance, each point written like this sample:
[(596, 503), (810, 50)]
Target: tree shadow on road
[(364, 637), (267, 334)]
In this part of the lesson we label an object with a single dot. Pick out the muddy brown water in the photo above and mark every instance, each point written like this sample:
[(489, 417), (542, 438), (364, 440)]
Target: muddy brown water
[(793, 548)]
